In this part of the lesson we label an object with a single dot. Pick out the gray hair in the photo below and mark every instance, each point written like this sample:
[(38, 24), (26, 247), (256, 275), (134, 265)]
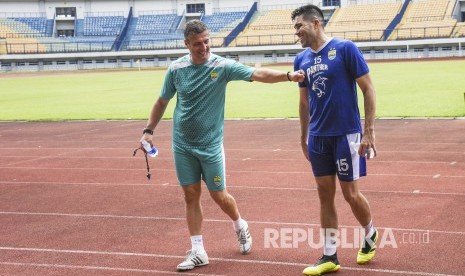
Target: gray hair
[(194, 27)]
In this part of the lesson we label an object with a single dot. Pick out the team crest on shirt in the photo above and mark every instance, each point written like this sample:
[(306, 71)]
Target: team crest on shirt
[(332, 54), (214, 75), (217, 180)]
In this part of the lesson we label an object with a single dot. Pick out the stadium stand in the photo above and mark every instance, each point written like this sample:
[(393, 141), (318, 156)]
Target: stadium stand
[(459, 30), (21, 33), (103, 25), (26, 26), (426, 19), (24, 45), (156, 41), (154, 30), (223, 21), (158, 31), (365, 22), (269, 27), (29, 34), (3, 50), (221, 24), (155, 24), (103, 31)]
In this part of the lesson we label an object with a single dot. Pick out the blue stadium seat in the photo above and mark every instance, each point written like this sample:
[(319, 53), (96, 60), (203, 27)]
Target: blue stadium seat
[(155, 24), (103, 25), (222, 21)]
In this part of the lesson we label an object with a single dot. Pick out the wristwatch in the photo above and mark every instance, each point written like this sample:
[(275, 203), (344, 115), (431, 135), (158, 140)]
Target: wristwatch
[(147, 130)]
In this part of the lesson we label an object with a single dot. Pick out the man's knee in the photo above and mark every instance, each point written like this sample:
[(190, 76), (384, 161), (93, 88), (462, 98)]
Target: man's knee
[(221, 198), (352, 197), (192, 193)]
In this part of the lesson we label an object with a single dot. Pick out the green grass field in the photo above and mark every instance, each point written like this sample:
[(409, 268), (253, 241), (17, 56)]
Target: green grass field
[(404, 89)]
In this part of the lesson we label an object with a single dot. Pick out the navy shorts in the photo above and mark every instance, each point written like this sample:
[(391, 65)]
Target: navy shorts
[(330, 155)]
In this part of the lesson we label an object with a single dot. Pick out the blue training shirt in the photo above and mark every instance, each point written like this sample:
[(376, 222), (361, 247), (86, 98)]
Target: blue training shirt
[(330, 74)]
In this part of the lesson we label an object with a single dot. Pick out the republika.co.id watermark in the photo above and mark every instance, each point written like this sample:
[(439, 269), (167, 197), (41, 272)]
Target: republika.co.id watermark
[(344, 237)]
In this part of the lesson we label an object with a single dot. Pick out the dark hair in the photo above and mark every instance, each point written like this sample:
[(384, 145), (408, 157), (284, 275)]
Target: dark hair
[(194, 27), (308, 12)]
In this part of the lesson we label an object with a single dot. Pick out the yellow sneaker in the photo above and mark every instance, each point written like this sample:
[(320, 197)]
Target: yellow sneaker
[(368, 249), (325, 264)]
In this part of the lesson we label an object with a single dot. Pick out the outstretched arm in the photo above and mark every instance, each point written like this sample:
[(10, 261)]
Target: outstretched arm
[(271, 76)]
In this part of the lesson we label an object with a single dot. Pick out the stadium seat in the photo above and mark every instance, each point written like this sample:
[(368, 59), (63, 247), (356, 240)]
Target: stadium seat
[(426, 19)]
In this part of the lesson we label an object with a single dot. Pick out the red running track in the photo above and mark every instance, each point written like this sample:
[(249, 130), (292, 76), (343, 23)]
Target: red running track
[(73, 201)]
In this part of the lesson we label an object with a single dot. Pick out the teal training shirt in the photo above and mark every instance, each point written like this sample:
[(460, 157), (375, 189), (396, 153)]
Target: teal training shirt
[(199, 113)]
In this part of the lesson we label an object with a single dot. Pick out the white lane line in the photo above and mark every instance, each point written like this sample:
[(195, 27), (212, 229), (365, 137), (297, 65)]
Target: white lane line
[(102, 268), (67, 156), (37, 158), (130, 148), (229, 171), (167, 184), (219, 221), (390, 271)]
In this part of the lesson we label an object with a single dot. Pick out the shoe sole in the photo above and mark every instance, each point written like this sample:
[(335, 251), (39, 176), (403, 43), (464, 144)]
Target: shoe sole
[(248, 251), (190, 267), (335, 269)]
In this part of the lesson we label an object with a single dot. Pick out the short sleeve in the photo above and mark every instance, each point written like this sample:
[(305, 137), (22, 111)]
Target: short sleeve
[(354, 61), (239, 71), (168, 90), (297, 67)]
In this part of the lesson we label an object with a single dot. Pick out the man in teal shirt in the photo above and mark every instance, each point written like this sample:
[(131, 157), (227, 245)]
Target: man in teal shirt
[(199, 79)]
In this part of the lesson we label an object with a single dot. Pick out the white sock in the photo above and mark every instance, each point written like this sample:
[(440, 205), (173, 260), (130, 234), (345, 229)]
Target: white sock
[(369, 229), (239, 224), (330, 241), (197, 243)]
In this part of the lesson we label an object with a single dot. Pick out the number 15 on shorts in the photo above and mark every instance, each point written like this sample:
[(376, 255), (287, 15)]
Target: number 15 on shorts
[(342, 165)]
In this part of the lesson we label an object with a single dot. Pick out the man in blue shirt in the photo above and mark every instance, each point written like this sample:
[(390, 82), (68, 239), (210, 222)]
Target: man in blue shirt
[(331, 132), (199, 80)]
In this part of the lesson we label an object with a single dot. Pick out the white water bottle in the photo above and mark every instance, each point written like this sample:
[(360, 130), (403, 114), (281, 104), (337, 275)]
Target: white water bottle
[(152, 151), (369, 152)]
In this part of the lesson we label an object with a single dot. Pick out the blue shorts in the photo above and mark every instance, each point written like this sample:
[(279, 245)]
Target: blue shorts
[(330, 155), (195, 164)]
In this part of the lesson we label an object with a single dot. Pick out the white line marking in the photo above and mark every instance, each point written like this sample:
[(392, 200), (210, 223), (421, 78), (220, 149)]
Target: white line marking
[(436, 176), (230, 171), (67, 156), (453, 163), (391, 271), (167, 184), (101, 268), (36, 158), (218, 220)]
